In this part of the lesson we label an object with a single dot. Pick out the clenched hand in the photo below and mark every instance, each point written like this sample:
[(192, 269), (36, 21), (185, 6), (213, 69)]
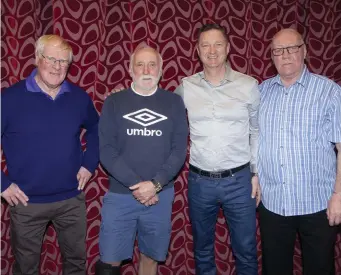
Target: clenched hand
[(143, 191)]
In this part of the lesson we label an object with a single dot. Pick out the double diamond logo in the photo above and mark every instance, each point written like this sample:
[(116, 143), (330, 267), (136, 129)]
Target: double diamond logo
[(145, 117)]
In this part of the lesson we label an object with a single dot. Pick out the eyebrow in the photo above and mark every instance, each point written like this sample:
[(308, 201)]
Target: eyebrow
[(285, 46)]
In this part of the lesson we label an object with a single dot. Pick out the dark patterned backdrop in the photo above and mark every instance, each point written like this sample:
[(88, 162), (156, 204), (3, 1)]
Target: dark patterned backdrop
[(103, 34)]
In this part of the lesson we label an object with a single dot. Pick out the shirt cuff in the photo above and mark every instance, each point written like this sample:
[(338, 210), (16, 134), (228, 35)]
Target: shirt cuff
[(253, 168)]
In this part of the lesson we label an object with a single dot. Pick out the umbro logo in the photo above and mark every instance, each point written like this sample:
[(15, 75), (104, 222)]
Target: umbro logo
[(145, 117)]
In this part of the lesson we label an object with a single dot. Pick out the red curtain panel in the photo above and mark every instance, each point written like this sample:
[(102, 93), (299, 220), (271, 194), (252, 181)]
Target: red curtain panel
[(104, 32)]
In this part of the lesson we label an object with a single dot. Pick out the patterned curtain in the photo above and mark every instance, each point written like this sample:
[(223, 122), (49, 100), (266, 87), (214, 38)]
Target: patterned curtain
[(103, 34)]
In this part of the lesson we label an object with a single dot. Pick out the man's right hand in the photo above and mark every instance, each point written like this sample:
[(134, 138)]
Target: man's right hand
[(13, 195)]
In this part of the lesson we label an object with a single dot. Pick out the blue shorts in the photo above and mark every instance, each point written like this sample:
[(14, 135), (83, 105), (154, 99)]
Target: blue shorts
[(123, 217)]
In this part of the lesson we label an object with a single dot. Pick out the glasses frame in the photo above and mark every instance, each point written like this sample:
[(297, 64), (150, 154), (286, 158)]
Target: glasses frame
[(289, 49), (52, 61)]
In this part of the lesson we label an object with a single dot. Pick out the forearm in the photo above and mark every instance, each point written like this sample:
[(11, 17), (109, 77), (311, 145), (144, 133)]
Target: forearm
[(254, 149), (91, 155), (5, 182), (117, 167), (254, 128), (171, 168)]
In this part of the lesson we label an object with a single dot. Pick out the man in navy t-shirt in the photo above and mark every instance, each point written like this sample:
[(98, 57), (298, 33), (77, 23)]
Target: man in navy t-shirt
[(41, 120), (143, 139)]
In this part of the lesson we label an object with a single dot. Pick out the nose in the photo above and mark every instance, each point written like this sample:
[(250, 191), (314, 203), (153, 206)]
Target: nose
[(212, 49), (56, 64), (145, 70), (285, 54)]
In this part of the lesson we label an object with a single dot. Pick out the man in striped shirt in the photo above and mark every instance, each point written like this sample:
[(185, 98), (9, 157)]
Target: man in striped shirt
[(299, 172)]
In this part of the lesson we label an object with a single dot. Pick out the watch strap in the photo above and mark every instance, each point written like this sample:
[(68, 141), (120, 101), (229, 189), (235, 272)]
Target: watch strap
[(157, 185)]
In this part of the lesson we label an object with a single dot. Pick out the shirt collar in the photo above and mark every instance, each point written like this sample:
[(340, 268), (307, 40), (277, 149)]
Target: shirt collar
[(133, 88), (228, 77), (32, 86), (303, 79)]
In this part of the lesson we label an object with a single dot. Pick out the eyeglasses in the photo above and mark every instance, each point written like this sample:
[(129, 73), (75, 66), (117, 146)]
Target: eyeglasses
[(52, 61), (290, 50)]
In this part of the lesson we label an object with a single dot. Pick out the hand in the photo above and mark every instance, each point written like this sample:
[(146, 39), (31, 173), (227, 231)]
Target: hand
[(143, 191), (83, 177), (13, 195), (113, 91), (152, 201), (334, 209), (256, 193)]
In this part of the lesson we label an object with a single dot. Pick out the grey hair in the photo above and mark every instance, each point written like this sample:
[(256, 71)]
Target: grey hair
[(141, 46), (55, 40)]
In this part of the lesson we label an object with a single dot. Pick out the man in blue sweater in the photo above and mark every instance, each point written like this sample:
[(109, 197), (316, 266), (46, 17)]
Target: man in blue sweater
[(143, 139), (41, 120)]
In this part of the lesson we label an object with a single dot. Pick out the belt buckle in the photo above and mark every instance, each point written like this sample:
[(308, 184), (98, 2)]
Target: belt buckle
[(215, 175)]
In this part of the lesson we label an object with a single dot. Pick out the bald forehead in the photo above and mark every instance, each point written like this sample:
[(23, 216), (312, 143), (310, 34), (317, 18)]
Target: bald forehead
[(146, 51), (286, 37), (55, 41)]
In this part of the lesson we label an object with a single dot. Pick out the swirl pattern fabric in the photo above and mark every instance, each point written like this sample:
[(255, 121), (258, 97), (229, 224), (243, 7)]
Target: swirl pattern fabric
[(104, 32)]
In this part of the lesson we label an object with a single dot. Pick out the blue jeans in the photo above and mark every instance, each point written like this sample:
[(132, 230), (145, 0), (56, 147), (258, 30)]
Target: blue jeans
[(233, 194)]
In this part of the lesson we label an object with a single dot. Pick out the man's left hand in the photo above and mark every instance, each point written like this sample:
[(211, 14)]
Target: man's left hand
[(334, 209), (83, 176), (143, 191), (152, 201), (256, 193)]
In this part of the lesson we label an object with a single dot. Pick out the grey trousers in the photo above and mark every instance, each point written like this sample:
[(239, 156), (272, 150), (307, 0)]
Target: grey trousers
[(28, 226)]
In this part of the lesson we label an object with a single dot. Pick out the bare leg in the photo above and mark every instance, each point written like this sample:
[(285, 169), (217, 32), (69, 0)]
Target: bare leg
[(147, 266)]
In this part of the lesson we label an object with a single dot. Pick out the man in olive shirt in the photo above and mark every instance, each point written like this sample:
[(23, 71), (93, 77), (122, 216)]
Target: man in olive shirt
[(222, 107)]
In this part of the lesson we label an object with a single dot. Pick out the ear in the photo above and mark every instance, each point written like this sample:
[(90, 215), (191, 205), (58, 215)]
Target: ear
[(36, 60), (304, 51), (228, 46), (130, 71)]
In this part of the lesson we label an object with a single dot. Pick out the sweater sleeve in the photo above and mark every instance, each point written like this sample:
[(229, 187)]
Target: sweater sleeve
[(179, 145), (91, 155), (109, 152), (5, 182)]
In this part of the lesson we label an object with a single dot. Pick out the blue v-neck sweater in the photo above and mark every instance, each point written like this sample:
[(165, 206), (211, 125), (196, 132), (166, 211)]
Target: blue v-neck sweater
[(41, 140)]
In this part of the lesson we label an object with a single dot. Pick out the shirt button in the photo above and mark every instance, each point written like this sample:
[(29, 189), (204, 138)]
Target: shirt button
[(283, 182), (286, 93), (282, 165), (281, 147)]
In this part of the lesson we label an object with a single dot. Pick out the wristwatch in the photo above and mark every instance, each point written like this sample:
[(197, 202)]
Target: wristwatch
[(254, 174), (157, 185)]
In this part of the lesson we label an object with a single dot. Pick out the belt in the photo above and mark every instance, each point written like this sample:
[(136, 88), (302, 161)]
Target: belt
[(217, 175)]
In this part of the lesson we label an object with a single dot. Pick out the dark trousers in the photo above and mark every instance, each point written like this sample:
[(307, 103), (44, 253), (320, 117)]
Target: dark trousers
[(28, 226), (205, 196), (278, 235)]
